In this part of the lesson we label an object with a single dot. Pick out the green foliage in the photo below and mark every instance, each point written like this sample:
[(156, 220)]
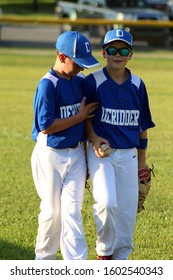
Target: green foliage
[(20, 71), (27, 7)]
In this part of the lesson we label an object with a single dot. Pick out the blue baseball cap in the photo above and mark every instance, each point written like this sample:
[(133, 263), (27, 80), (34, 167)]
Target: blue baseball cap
[(76, 46), (118, 35)]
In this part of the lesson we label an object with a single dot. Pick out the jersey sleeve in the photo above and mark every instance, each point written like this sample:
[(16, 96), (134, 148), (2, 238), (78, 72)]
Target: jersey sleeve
[(44, 104), (146, 118), (89, 89)]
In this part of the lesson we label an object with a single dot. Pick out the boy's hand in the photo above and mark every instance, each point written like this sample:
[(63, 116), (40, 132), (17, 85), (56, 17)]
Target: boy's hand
[(86, 110), (97, 146)]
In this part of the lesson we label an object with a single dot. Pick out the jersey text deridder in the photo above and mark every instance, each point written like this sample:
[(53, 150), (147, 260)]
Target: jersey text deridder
[(120, 117)]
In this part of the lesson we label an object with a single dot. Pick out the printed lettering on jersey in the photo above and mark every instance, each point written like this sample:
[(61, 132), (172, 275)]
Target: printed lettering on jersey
[(120, 117), (69, 110)]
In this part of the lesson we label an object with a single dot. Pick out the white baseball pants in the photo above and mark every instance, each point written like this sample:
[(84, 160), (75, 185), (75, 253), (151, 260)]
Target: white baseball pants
[(59, 176), (115, 192)]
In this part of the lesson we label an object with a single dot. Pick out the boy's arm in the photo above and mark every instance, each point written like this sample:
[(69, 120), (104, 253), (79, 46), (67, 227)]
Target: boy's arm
[(94, 138), (59, 124), (142, 151)]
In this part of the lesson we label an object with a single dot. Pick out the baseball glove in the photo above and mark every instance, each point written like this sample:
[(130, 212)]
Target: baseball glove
[(144, 177)]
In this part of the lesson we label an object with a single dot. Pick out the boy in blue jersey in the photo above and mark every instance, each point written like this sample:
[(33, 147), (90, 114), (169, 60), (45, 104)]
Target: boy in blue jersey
[(121, 120), (58, 159)]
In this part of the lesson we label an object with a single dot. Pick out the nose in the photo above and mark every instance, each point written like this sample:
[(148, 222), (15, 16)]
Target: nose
[(117, 54)]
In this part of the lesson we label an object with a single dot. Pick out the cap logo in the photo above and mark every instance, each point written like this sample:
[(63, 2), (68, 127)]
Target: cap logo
[(119, 33), (87, 45)]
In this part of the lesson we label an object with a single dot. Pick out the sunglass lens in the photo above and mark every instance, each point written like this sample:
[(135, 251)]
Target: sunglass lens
[(124, 52), (111, 51)]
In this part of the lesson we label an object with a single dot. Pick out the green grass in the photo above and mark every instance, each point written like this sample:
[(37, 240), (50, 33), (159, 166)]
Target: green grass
[(20, 71)]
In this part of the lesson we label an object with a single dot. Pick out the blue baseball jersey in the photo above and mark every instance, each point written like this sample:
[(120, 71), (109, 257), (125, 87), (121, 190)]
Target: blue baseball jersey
[(57, 97), (123, 110)]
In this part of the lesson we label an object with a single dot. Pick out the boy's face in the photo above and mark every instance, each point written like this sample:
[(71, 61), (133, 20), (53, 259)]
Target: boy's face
[(117, 60), (68, 66), (71, 68)]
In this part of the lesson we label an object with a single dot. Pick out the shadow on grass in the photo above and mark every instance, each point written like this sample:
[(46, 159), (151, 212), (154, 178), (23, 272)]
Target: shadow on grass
[(10, 251)]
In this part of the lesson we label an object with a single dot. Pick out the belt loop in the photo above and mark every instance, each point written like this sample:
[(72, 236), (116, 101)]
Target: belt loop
[(75, 145)]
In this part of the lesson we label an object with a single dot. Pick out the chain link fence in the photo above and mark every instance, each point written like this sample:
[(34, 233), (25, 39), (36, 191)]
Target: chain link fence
[(44, 35)]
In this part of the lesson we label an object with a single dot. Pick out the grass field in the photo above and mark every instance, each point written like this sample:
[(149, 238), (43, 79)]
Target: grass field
[(20, 71)]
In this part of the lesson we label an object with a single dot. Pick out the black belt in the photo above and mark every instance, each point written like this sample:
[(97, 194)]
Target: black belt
[(75, 145)]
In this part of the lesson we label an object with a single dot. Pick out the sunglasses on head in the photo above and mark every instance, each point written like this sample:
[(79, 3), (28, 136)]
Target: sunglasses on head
[(121, 51)]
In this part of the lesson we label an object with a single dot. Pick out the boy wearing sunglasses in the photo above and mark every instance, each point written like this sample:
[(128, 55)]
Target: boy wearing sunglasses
[(121, 120)]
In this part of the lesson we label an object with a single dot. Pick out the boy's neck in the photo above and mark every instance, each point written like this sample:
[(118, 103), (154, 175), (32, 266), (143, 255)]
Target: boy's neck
[(119, 76), (61, 74)]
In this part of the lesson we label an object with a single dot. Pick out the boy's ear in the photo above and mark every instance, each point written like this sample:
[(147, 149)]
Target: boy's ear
[(131, 54), (62, 57), (103, 53)]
